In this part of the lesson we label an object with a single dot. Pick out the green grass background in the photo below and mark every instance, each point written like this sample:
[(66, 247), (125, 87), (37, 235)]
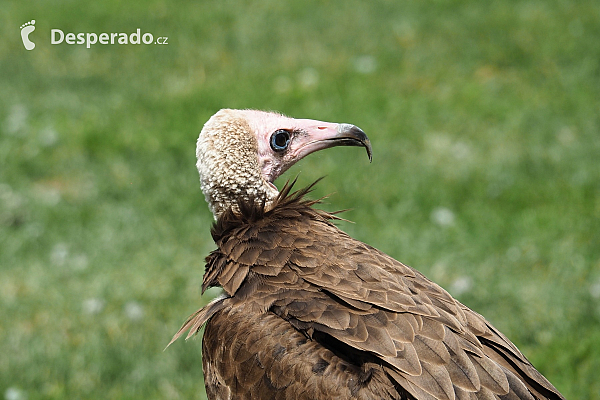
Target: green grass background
[(485, 123)]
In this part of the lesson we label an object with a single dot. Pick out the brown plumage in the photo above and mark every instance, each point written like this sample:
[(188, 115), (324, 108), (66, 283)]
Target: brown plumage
[(310, 313)]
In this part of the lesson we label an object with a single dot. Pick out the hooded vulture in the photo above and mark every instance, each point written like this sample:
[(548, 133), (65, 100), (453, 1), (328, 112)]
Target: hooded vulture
[(309, 312)]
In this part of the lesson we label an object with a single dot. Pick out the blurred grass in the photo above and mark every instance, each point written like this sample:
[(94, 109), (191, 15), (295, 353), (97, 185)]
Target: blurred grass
[(485, 122)]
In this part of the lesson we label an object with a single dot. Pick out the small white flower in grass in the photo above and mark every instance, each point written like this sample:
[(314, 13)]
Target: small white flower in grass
[(16, 121), (93, 305), (566, 136), (461, 150), (595, 290), (34, 230), (134, 311), (59, 254), (442, 216), (365, 64), (5, 190), (13, 393), (513, 254), (48, 195), (9, 199), (308, 78), (80, 262), (48, 137), (544, 337), (461, 285)]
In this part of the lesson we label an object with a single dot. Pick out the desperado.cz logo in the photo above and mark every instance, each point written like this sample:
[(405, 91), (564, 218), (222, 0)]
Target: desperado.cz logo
[(57, 36), (26, 29)]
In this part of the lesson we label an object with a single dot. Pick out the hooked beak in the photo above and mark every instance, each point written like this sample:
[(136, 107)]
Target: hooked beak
[(325, 135)]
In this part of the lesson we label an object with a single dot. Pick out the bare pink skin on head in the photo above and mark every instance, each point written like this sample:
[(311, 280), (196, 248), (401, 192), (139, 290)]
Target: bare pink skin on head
[(309, 136), (237, 160)]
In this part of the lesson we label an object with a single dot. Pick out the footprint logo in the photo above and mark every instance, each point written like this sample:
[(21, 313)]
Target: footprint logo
[(26, 29)]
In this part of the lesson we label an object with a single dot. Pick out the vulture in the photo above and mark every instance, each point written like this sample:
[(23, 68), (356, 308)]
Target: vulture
[(307, 312)]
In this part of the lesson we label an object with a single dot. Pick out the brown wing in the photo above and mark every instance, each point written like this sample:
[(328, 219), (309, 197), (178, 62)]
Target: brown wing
[(247, 355), (294, 267), (379, 305)]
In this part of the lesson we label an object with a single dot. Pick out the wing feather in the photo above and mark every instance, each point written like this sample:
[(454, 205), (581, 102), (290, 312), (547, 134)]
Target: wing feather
[(342, 296)]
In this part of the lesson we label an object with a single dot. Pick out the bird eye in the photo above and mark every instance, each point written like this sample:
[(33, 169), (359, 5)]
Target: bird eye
[(280, 140)]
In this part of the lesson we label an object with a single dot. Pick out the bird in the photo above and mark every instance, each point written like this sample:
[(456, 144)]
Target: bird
[(308, 312)]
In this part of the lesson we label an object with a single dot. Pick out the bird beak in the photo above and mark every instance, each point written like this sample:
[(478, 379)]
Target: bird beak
[(315, 135)]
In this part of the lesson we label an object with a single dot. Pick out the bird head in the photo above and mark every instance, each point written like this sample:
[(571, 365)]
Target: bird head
[(241, 152)]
